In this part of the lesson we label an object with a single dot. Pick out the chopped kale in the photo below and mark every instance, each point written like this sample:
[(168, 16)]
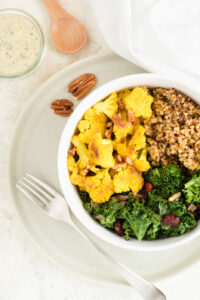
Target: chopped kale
[(192, 189), (166, 181), (143, 219), (187, 223)]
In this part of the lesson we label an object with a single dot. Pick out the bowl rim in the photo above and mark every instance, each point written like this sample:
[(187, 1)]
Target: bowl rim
[(69, 190)]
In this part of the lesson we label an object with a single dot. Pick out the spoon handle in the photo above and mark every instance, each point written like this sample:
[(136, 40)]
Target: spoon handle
[(55, 10)]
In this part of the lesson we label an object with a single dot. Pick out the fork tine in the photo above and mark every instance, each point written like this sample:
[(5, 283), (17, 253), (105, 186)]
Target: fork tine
[(39, 189), (44, 185), (30, 197), (35, 193)]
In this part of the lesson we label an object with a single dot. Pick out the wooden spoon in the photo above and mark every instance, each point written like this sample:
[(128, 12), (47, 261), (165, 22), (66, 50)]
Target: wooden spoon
[(68, 34)]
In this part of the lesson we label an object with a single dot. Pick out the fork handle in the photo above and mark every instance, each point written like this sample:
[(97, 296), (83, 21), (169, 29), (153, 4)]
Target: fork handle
[(146, 289)]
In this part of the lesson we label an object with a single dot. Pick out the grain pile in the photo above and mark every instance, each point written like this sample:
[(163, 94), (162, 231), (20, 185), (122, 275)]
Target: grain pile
[(173, 131)]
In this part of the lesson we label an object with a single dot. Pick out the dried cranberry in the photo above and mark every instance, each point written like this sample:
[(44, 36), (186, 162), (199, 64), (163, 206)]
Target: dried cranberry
[(171, 220), (118, 227), (148, 187)]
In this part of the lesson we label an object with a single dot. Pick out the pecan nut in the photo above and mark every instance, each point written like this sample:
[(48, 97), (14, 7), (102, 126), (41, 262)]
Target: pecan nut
[(108, 133), (119, 165), (81, 86), (130, 116), (118, 121), (120, 103), (72, 151), (129, 161), (62, 107), (109, 130)]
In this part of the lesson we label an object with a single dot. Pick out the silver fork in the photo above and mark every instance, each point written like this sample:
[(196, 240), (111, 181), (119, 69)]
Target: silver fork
[(55, 206)]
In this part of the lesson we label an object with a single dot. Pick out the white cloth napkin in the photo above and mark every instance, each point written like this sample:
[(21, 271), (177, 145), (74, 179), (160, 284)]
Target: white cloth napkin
[(162, 36)]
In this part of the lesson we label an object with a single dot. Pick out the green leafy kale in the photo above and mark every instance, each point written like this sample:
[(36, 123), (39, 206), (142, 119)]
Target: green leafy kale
[(143, 218), (166, 181), (192, 189), (188, 222), (138, 218), (109, 211)]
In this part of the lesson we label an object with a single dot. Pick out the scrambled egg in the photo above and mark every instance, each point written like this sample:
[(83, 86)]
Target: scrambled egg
[(109, 147)]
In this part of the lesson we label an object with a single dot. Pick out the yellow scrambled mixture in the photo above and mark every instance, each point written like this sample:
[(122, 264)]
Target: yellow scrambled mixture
[(109, 150)]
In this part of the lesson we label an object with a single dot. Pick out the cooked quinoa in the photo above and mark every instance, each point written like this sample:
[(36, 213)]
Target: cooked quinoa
[(173, 131)]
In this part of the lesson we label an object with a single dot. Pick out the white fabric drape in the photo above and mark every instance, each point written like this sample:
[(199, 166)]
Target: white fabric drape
[(162, 36)]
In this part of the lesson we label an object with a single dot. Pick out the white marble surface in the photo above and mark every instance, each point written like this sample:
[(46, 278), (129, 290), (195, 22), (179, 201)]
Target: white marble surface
[(24, 272)]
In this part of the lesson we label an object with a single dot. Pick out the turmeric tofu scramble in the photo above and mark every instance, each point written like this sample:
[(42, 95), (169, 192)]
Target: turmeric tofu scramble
[(111, 145), (134, 158)]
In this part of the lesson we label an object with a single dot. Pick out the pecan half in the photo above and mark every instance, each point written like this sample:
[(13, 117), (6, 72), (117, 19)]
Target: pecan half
[(108, 133), (129, 161), (120, 103), (119, 165), (118, 158), (72, 151), (81, 86), (130, 116), (84, 172), (118, 121), (108, 125), (109, 130), (62, 107)]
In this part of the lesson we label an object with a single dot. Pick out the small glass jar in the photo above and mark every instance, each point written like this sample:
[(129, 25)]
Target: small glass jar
[(22, 43)]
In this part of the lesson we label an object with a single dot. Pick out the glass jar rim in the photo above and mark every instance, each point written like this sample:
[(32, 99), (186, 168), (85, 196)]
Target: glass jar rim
[(41, 52)]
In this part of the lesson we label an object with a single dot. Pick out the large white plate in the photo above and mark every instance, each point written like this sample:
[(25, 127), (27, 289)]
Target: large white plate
[(34, 150)]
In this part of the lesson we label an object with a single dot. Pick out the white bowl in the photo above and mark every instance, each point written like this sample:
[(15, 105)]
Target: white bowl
[(70, 191)]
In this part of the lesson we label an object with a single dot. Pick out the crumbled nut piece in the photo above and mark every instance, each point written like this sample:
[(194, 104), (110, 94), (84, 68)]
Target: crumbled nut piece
[(108, 125), (118, 121), (192, 208), (99, 217), (120, 165), (109, 130), (81, 86), (72, 151), (130, 116), (122, 197), (118, 158), (120, 103), (84, 172), (129, 161), (175, 196), (138, 196), (62, 107), (118, 227)]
